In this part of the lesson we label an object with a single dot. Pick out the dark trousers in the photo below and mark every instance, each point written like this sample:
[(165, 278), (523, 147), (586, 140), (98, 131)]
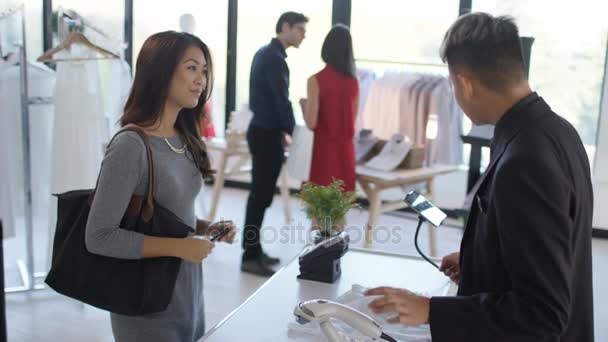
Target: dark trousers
[(266, 147)]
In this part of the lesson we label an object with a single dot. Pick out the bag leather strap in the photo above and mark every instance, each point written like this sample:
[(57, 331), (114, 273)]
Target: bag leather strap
[(148, 206)]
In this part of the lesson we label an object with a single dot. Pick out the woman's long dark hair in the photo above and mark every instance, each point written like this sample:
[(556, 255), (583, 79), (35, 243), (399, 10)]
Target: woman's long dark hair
[(337, 50), (156, 63)]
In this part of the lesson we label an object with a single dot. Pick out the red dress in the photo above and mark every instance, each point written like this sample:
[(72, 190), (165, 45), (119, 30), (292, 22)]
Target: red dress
[(333, 154)]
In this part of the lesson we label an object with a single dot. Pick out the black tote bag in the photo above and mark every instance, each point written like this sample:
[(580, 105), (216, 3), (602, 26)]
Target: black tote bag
[(128, 287)]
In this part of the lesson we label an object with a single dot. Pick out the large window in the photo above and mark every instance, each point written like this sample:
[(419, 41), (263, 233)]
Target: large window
[(401, 30), (567, 63), (256, 26), (152, 16)]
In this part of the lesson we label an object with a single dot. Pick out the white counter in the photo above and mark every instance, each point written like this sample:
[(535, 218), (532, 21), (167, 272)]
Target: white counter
[(265, 315)]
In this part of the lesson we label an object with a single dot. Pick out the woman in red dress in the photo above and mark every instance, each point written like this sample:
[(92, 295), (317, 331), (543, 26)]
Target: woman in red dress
[(330, 111)]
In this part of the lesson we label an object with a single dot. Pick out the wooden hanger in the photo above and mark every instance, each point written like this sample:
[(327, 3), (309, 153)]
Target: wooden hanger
[(72, 38)]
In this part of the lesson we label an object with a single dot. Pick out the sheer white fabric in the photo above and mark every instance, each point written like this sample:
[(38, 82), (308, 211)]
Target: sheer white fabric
[(80, 130), (80, 127), (41, 81), (116, 82)]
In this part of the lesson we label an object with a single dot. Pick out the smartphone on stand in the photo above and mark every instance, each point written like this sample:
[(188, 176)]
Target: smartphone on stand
[(425, 208)]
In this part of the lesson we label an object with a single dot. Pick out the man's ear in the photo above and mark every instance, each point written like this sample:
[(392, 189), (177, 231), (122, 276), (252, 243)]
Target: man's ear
[(467, 84), (285, 27)]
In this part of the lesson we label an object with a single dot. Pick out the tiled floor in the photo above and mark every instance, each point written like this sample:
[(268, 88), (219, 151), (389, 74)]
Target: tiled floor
[(46, 316)]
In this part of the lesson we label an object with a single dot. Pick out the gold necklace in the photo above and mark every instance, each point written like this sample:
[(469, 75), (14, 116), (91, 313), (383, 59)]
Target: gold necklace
[(176, 150)]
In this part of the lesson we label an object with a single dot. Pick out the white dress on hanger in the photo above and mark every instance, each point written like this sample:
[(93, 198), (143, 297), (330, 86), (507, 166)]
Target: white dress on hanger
[(80, 129), (41, 82)]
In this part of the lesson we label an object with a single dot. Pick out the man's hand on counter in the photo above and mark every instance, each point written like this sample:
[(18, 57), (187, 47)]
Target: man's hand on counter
[(411, 309)]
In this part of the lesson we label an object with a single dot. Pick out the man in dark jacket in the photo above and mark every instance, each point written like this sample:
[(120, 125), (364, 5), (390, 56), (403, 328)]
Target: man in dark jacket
[(524, 267), (269, 133)]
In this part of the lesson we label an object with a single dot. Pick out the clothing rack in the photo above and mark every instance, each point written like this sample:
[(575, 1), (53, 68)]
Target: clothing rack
[(27, 272), (28, 277), (476, 143)]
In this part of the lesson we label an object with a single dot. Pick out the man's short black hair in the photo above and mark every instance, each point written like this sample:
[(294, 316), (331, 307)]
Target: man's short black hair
[(487, 46), (291, 18)]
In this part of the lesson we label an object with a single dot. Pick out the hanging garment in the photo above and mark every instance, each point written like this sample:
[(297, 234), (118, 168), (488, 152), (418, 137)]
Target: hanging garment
[(409, 116), (401, 102), (447, 147), (41, 81), (333, 153), (365, 78), (80, 127), (389, 109), (423, 109), (381, 113), (116, 81), (440, 108)]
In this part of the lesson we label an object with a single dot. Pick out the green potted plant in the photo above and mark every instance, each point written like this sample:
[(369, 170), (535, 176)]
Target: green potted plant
[(327, 206)]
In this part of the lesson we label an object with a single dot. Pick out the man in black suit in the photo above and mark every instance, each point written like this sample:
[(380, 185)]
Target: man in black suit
[(524, 267)]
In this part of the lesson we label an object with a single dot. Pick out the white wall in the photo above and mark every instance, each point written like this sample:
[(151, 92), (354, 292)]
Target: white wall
[(600, 174)]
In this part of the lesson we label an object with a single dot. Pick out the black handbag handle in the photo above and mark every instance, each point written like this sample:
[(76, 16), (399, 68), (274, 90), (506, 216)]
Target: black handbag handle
[(148, 207)]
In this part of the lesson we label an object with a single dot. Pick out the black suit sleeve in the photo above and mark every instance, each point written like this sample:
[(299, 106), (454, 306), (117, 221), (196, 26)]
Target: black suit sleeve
[(531, 203), (277, 76)]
